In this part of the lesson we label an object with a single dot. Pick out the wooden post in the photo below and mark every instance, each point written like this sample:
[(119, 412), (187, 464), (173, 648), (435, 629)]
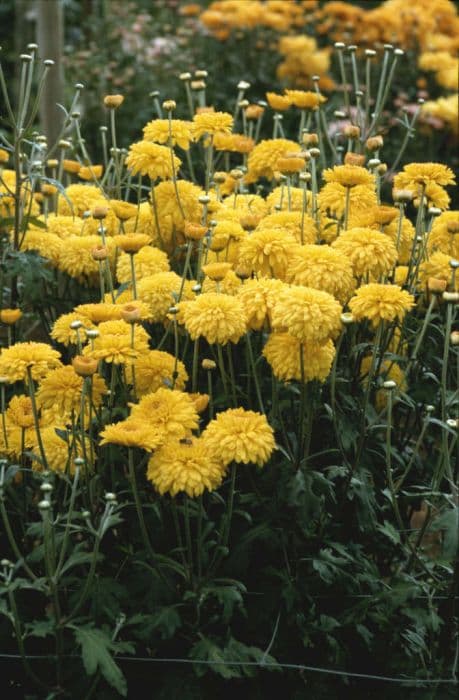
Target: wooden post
[(50, 40)]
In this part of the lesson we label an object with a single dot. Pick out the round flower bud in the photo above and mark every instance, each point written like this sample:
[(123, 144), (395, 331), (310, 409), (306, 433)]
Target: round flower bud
[(113, 101), (369, 53), (197, 85), (374, 162), (169, 105), (46, 487), (402, 196), (430, 408), (85, 514), (452, 423), (310, 139), (390, 385), (451, 297), (92, 333), (84, 366), (354, 159), (374, 143), (382, 169), (204, 199), (110, 497), (339, 45), (208, 364), (454, 264), (454, 338), (130, 313), (99, 212), (78, 461), (351, 131), (315, 152), (185, 76), (436, 286), (201, 74), (75, 325), (44, 505), (347, 318), (10, 316)]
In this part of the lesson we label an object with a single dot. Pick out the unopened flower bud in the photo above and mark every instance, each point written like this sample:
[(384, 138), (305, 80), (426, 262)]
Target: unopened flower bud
[(169, 105), (113, 101), (436, 286), (347, 318), (402, 196), (84, 366), (451, 297), (374, 143), (454, 338), (208, 364), (131, 313), (354, 159), (44, 505), (390, 385), (351, 131)]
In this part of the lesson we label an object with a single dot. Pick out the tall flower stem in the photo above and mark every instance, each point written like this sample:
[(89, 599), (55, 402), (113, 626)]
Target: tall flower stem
[(31, 388), (390, 481), (133, 277), (194, 372), (254, 373), (138, 503)]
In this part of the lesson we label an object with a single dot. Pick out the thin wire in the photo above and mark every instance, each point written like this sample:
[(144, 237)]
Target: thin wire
[(295, 667)]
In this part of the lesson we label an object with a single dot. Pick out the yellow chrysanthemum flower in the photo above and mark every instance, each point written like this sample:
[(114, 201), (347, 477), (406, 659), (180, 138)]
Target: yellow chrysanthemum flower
[(444, 235), (308, 314), (78, 199), (180, 132), (279, 199), (156, 368), (305, 99), (258, 298), (158, 290), (240, 436), (349, 176), (62, 226), (414, 175), (282, 351), (210, 123), (370, 252), (119, 342), (59, 393), (218, 318), (168, 211), (98, 313), (322, 267), (16, 360), (132, 433), (75, 257), (446, 109), (230, 284), (151, 159), (123, 210), (302, 227), (268, 252), (56, 448), (438, 266), (132, 243), (19, 412), (172, 412), (332, 198), (144, 221), (48, 245), (189, 467), (147, 262), (262, 161), (388, 370), (380, 302), (62, 331)]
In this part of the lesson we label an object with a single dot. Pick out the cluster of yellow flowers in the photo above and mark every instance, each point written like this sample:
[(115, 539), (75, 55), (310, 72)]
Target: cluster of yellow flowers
[(217, 264)]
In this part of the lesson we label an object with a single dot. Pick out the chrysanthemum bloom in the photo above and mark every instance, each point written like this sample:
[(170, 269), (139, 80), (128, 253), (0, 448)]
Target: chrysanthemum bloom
[(414, 176), (62, 331), (332, 198), (123, 210), (91, 172), (282, 351), (144, 221), (56, 448), (61, 226), (75, 257), (16, 360), (230, 284), (328, 228), (158, 131), (258, 298), (132, 433), (267, 252), (405, 243), (305, 99), (434, 196), (308, 314), (401, 275), (216, 317), (234, 143), (438, 266), (148, 261), (97, 313), (78, 199), (349, 176), (380, 302), (158, 292), (216, 271), (322, 267), (262, 161), (303, 228), (115, 343), (370, 252), (71, 166), (151, 159), (189, 467), (446, 109), (240, 436), (19, 412), (445, 234), (280, 103), (227, 230), (210, 123), (59, 393), (132, 242), (170, 216), (155, 369), (287, 200), (46, 244), (172, 412)]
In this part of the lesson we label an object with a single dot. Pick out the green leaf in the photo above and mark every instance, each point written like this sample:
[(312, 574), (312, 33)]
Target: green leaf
[(95, 649), (389, 531)]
